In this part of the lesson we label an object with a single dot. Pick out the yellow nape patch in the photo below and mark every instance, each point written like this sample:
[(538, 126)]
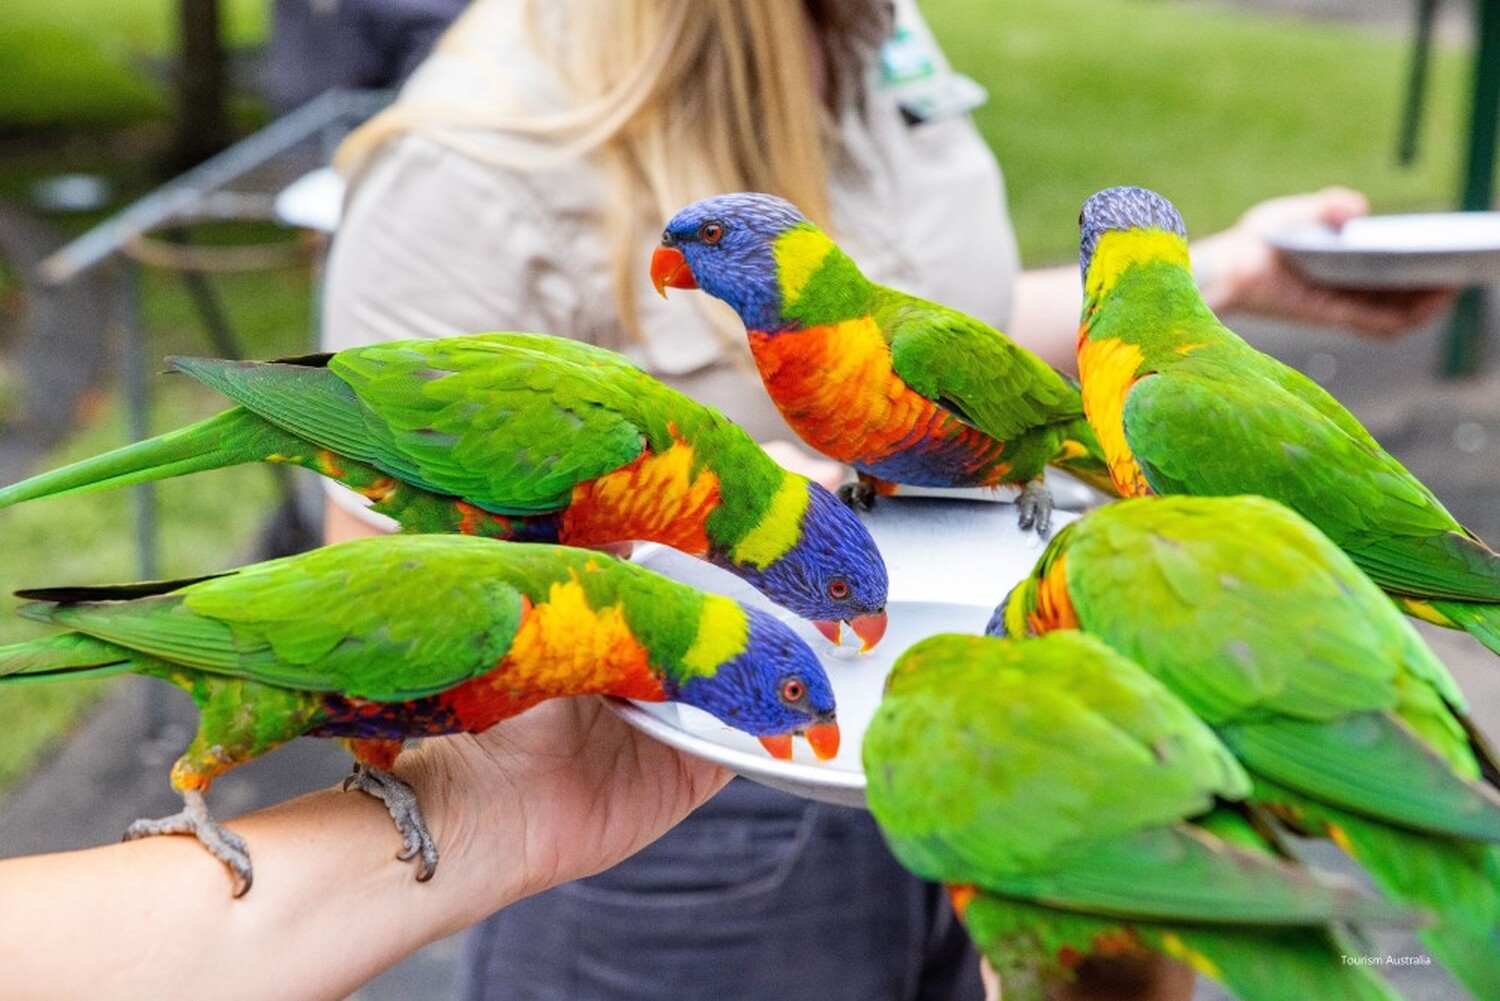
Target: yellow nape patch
[(1118, 250), (565, 646), (1178, 949), (778, 529), (799, 252), (1107, 370), (723, 632)]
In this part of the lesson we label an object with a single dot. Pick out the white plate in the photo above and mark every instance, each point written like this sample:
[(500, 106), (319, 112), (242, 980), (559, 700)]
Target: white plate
[(950, 562), (857, 683), (1425, 250)]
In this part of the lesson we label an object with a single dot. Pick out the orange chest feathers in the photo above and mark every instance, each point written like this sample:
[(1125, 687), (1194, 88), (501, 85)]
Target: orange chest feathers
[(836, 387)]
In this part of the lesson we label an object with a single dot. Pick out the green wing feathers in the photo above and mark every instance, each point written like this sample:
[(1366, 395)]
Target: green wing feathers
[(1458, 881), (343, 618), (994, 383), (1176, 873)]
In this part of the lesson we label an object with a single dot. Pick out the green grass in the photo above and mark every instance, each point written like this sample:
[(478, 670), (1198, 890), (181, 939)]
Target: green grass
[(208, 521), (1215, 108), (81, 64)]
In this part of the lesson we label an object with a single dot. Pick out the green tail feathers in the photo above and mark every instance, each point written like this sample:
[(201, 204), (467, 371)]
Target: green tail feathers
[(1459, 881), (1481, 621), (71, 655), (233, 437)]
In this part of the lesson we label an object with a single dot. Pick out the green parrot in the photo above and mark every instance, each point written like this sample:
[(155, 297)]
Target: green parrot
[(527, 437), (1184, 406), (905, 390), (1075, 807), (1349, 724), (381, 639)]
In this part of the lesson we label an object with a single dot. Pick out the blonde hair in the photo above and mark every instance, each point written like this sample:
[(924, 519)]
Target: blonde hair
[(678, 100)]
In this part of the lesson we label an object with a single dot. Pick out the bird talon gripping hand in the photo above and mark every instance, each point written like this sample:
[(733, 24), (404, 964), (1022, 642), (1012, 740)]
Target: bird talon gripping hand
[(1183, 405), (381, 639), (904, 390), (525, 437)]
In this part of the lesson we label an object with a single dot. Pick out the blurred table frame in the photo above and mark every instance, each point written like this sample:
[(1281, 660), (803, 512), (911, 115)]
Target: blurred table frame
[(203, 193), (1462, 347), (1463, 344)]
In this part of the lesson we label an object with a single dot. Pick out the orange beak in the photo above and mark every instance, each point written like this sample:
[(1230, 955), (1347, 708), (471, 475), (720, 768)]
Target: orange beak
[(869, 628), (824, 738), (669, 269), (779, 746)]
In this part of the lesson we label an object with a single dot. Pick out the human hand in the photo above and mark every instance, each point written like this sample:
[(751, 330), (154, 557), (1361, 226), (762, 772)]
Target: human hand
[(562, 791), (1239, 271), (799, 460)]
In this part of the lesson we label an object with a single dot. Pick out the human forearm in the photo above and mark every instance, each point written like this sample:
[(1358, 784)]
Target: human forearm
[(1044, 318), (560, 792), (154, 918)]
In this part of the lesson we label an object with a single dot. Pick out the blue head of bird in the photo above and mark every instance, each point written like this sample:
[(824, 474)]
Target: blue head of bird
[(724, 245), (832, 573), (1118, 210), (773, 689)]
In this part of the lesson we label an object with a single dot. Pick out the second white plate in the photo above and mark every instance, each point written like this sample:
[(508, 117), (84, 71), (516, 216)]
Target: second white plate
[(1421, 250)]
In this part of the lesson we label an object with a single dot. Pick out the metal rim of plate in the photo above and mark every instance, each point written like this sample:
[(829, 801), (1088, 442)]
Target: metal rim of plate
[(841, 788), (1318, 252), (934, 546)]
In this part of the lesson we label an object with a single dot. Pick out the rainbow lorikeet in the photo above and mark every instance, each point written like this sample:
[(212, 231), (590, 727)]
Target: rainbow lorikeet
[(1074, 807), (526, 437), (1184, 406), (904, 390), (380, 639), (1349, 724)]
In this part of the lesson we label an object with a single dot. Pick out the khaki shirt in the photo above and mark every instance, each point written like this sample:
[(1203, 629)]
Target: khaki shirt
[(436, 241)]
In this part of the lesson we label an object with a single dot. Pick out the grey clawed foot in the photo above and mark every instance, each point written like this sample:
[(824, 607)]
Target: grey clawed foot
[(859, 495), (222, 843), (401, 801), (1035, 504)]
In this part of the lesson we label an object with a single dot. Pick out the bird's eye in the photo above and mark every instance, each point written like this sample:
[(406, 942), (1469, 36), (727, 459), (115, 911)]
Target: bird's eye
[(793, 690), (711, 232), (838, 590)]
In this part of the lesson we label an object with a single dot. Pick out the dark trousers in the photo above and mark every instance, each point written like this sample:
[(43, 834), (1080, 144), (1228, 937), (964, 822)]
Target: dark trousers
[(757, 895)]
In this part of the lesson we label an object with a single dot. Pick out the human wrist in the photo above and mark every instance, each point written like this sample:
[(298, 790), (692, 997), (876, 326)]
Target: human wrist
[(1219, 268), (475, 818)]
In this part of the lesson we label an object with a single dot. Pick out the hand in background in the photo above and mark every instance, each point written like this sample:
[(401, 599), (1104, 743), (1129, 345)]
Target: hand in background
[(799, 460), (1240, 272)]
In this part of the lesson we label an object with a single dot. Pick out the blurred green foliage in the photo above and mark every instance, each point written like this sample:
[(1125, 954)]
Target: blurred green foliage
[(1215, 107), (95, 65)]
